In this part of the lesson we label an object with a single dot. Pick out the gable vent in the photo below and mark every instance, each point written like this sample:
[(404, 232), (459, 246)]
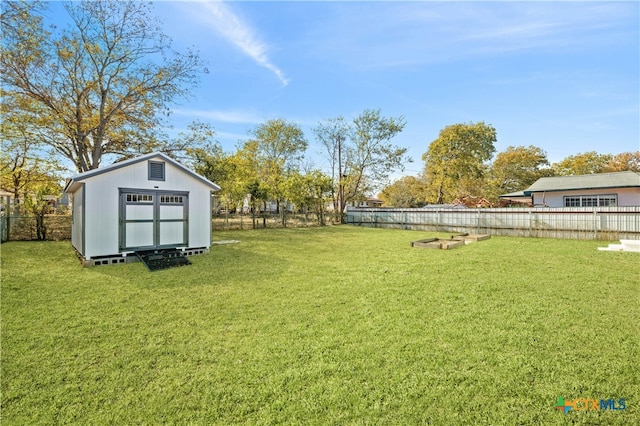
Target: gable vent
[(156, 170)]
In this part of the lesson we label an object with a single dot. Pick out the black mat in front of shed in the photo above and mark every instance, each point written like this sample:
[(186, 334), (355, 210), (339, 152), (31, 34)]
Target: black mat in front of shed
[(162, 259)]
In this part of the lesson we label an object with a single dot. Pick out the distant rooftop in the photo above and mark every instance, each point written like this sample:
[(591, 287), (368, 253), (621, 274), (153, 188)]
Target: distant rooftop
[(594, 181)]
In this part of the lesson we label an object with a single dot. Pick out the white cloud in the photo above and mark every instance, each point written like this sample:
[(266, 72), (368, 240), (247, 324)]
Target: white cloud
[(406, 35), (221, 18), (231, 116)]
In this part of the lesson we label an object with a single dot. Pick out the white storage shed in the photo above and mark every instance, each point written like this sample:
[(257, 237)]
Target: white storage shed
[(144, 203)]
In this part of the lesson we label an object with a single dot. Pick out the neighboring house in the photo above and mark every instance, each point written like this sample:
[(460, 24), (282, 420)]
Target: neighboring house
[(6, 197), (594, 190), (368, 202), (144, 203), (54, 201)]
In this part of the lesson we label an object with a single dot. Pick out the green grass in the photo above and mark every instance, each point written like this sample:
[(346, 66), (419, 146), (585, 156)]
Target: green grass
[(336, 325)]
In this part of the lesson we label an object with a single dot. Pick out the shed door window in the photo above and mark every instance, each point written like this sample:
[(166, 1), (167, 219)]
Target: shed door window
[(171, 199), (156, 170), (139, 198)]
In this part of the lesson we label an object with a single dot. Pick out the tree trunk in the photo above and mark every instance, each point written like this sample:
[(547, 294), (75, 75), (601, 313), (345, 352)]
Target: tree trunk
[(264, 215), (41, 229), (440, 195)]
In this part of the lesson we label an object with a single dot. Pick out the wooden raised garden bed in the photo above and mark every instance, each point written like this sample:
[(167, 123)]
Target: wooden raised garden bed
[(446, 244)]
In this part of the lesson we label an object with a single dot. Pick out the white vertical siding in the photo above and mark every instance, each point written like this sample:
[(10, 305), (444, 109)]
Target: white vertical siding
[(102, 213), (200, 216), (77, 225)]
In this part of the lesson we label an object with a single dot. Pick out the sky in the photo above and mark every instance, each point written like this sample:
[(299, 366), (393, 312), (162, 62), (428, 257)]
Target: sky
[(563, 76)]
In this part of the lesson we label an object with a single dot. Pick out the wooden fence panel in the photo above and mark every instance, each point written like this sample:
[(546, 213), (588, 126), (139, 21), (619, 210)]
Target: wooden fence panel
[(609, 223)]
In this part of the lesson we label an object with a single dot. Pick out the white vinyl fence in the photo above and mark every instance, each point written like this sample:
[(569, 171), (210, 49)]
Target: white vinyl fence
[(604, 223)]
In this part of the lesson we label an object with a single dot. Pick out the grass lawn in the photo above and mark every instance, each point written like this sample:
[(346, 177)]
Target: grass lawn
[(335, 325)]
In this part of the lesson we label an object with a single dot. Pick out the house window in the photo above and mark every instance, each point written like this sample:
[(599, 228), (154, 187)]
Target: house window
[(606, 200), (572, 201), (156, 170)]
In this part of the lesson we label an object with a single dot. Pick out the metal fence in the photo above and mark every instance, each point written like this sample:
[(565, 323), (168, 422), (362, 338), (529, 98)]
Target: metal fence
[(4, 228), (604, 223), (15, 227)]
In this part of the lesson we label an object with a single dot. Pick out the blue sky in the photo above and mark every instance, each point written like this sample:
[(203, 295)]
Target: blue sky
[(563, 76)]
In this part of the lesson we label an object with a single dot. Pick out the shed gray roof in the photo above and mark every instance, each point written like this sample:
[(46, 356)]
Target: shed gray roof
[(154, 155), (594, 181)]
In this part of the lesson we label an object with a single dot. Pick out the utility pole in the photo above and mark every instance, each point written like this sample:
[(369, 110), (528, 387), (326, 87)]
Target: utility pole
[(340, 184)]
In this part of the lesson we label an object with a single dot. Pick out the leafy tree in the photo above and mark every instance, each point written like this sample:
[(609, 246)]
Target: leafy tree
[(102, 82), (516, 168), (23, 34), (248, 166), (214, 164), (362, 152), (309, 191), (333, 135), (258, 194), (25, 170), (231, 172), (456, 160), (406, 192), (24, 164), (36, 201), (280, 146), (624, 161), (23, 175), (319, 190), (582, 164)]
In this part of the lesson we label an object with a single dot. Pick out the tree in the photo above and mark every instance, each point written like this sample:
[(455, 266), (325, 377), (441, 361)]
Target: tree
[(258, 194), (333, 134), (319, 190), (102, 83), (22, 174), (372, 155), (215, 164), (23, 35), (456, 161), (516, 168), (25, 171), (248, 167), (406, 192), (624, 161), (309, 191), (582, 164), (36, 201), (233, 172), (363, 153), (24, 164), (280, 148)]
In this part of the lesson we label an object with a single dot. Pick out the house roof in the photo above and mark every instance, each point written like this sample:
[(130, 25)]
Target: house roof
[(154, 155), (626, 179), (517, 194)]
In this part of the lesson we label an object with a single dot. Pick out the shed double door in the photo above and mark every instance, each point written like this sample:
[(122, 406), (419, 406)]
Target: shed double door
[(153, 219)]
